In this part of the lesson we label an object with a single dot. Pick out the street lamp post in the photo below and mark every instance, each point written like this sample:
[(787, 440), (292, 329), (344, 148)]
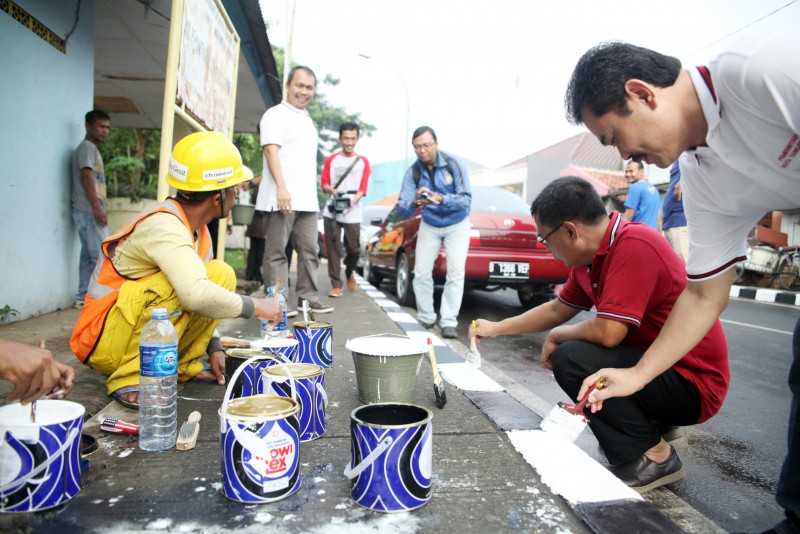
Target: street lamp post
[(408, 103)]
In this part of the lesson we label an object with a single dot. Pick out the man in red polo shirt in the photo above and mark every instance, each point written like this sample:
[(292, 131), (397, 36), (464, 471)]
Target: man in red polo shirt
[(632, 278)]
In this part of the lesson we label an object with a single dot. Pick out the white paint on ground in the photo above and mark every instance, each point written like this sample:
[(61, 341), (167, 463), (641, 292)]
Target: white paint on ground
[(198, 489), (127, 452), (561, 423), (766, 295), (746, 325), (317, 480), (263, 517), (385, 303), (376, 294), (159, 524), (466, 377), (567, 470), (401, 317), (217, 486), (394, 523)]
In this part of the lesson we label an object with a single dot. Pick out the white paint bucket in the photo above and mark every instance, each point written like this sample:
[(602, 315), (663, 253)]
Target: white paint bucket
[(39, 462), (387, 366)]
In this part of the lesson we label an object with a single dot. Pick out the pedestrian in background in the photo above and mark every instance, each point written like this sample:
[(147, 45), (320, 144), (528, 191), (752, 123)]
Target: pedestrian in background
[(642, 202), (439, 184), (674, 219), (735, 124), (89, 197), (345, 175)]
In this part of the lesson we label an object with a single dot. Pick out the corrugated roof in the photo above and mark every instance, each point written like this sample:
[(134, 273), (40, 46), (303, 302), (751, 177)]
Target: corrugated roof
[(584, 148), (609, 181)]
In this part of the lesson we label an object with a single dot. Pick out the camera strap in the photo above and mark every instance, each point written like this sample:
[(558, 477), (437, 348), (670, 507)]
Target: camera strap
[(346, 172)]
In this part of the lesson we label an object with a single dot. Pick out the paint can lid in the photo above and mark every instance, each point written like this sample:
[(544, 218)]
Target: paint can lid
[(297, 370), (263, 406), (274, 343), (385, 345), (311, 324)]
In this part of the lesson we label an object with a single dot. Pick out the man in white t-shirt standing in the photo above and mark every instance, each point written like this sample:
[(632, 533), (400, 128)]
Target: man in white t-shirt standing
[(736, 127), (288, 190), (344, 177)]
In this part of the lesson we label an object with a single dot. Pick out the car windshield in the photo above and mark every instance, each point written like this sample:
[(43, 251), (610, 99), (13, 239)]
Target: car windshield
[(493, 199)]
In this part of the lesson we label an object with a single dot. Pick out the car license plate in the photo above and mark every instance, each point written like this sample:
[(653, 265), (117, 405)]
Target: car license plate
[(508, 269)]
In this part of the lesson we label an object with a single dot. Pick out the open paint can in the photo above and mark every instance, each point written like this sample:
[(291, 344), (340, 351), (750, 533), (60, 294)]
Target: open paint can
[(260, 441), (251, 380), (315, 343), (39, 462), (310, 383), (387, 366), (392, 455)]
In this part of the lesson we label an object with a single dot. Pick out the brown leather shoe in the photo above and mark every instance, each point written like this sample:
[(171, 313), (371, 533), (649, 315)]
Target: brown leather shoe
[(336, 292), (351, 283), (643, 474)]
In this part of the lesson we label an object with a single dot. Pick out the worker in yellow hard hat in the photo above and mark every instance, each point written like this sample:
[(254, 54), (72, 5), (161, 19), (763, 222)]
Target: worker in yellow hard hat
[(162, 258)]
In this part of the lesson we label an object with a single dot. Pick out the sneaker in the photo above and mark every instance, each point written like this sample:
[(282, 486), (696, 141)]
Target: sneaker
[(78, 304), (449, 332), (335, 293), (643, 474), (351, 282), (318, 307)]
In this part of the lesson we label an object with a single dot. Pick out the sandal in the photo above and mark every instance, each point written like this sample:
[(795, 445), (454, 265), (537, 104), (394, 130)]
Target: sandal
[(117, 396)]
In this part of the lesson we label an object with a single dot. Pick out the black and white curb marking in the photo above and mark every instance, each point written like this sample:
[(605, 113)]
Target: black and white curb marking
[(766, 295), (596, 495)]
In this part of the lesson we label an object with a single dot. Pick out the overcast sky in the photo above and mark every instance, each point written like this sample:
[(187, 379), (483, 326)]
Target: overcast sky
[(489, 76)]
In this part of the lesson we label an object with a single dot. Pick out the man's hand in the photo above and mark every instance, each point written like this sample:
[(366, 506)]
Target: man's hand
[(425, 197), (267, 309), (677, 193), (548, 348), (33, 371), (482, 328), (284, 200), (621, 383), (100, 216), (217, 362)]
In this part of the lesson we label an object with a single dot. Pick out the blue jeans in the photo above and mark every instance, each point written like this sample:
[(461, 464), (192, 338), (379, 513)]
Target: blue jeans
[(456, 244), (91, 237)]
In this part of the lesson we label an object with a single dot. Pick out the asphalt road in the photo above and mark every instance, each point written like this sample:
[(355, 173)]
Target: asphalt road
[(733, 460)]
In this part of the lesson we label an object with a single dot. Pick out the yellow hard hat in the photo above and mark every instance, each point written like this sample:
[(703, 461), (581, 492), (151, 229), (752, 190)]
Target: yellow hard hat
[(205, 161)]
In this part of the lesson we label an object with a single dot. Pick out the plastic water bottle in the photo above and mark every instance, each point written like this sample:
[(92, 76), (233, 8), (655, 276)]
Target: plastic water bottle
[(280, 329), (158, 383)]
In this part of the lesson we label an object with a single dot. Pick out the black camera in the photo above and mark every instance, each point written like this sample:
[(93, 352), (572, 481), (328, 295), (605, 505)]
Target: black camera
[(339, 204), (425, 195)]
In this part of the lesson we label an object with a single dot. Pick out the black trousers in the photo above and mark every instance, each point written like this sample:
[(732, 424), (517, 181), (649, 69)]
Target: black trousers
[(626, 427), (789, 482)]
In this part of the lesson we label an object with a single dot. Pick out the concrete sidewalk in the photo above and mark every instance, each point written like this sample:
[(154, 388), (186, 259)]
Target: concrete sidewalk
[(491, 473)]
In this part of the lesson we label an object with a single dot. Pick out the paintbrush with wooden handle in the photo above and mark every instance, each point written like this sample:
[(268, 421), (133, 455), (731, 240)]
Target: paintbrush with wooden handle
[(438, 383)]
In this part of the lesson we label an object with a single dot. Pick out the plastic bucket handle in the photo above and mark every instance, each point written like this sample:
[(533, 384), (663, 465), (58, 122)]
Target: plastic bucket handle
[(43, 465), (229, 390), (369, 460)]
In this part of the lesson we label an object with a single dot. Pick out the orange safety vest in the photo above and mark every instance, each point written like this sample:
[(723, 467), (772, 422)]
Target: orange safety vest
[(105, 283)]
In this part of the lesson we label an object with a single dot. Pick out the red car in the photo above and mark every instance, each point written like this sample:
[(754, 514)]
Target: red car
[(503, 251)]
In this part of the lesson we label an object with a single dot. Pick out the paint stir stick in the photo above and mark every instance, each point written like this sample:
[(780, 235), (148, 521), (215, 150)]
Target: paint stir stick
[(33, 404)]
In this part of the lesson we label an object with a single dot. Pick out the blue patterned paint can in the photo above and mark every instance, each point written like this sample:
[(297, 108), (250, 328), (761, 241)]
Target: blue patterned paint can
[(260, 441), (251, 380), (39, 462), (316, 342), (310, 383), (392, 455)]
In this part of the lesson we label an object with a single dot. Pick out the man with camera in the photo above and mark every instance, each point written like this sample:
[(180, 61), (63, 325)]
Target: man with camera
[(344, 177), (438, 183)]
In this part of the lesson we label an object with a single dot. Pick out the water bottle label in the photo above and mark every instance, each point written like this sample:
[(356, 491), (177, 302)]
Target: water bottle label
[(159, 361), (279, 330)]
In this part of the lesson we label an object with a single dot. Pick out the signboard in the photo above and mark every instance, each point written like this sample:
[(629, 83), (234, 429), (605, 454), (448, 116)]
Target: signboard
[(207, 65)]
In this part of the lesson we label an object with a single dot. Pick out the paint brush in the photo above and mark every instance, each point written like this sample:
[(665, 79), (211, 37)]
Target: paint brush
[(473, 356), (275, 295), (438, 383), (187, 436), (568, 420), (33, 404), (305, 312)]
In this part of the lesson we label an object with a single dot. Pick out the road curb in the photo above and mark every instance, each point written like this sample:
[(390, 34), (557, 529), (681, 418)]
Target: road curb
[(792, 298)]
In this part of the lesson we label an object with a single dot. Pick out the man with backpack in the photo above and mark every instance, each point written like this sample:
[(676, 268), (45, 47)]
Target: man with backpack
[(439, 184)]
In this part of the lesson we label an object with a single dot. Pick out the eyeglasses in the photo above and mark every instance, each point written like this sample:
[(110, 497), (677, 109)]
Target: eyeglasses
[(424, 146), (543, 240)]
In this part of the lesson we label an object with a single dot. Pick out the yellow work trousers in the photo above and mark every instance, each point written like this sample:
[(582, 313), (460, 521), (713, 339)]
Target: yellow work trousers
[(117, 353)]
